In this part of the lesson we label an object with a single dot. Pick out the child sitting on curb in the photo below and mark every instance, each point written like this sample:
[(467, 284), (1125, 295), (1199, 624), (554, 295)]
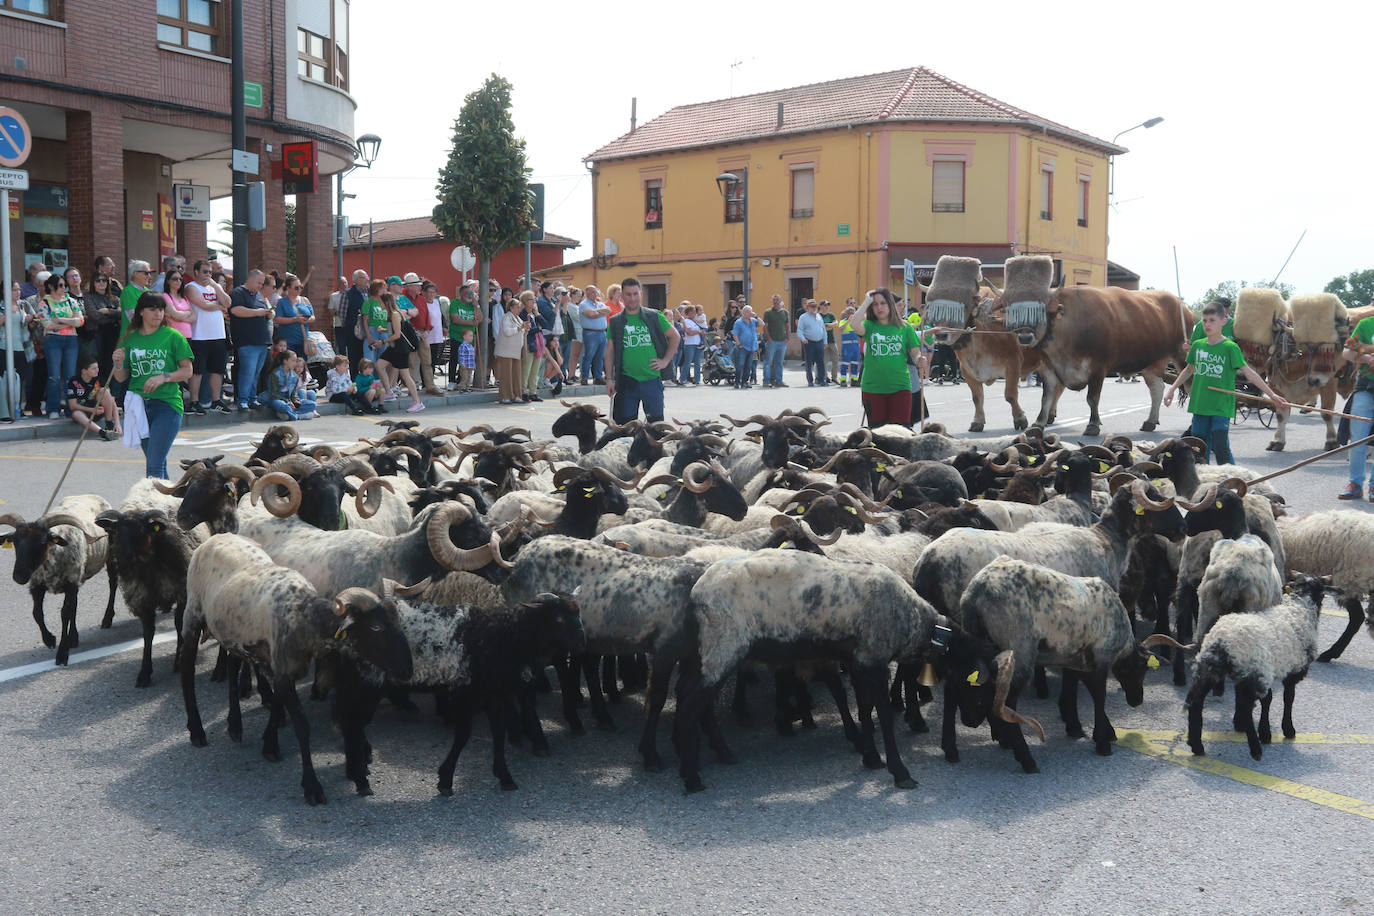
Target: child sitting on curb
[(339, 386), (368, 387)]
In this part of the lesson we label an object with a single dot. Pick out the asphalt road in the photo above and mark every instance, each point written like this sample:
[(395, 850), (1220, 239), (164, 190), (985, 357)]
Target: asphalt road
[(108, 808)]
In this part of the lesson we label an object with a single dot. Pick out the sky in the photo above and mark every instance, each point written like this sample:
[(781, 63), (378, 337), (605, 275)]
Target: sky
[(1265, 132)]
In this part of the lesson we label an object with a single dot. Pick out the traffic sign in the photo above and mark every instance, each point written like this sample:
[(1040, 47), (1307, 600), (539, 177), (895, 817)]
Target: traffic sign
[(462, 259), (16, 140), (908, 272), (252, 94), (243, 161), (14, 179)]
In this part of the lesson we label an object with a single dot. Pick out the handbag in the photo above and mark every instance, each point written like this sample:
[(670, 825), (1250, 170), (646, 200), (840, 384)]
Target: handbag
[(411, 338)]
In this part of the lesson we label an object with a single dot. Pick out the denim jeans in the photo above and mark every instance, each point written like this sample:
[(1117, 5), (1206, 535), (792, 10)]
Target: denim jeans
[(691, 364), (1362, 405), (285, 407), (773, 353), (630, 394), (813, 351), (250, 361), (164, 422), (61, 352), (593, 354), (1215, 433), (744, 365)]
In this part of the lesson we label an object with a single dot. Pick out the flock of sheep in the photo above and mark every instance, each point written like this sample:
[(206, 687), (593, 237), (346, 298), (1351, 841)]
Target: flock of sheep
[(467, 563)]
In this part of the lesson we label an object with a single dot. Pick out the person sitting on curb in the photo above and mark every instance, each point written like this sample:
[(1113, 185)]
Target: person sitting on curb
[(89, 403)]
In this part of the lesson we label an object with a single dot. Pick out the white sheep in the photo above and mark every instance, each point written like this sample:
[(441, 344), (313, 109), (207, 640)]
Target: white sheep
[(1240, 577), (1336, 543)]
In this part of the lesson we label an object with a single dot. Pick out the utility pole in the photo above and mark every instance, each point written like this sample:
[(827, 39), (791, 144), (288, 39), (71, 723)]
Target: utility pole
[(240, 139)]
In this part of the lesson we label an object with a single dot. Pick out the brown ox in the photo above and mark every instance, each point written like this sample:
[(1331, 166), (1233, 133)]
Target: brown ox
[(956, 306), (1085, 333)]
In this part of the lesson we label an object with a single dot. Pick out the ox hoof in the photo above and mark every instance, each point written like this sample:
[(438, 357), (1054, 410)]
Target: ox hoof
[(1093, 429), (951, 756), (107, 621), (976, 427), (1274, 447), (1148, 426), (198, 739), (540, 751), (1329, 445), (653, 764), (1104, 750), (1019, 423)]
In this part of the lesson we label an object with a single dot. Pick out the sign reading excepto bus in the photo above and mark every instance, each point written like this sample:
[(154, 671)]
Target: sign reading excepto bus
[(842, 229)]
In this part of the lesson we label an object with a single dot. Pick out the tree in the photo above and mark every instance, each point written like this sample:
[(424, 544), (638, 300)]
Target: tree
[(1354, 289), (1230, 289), (222, 245), (484, 187)]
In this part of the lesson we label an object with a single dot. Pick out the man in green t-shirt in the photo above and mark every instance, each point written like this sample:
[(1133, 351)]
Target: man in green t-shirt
[(1359, 349), (1212, 363), (636, 354), (775, 327), (139, 272), (462, 316), (832, 349)]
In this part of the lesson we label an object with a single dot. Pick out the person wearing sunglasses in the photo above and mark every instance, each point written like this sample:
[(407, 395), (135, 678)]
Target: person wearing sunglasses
[(61, 316)]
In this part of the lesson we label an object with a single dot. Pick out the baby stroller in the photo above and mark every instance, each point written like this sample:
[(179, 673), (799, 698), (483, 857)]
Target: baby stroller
[(717, 367)]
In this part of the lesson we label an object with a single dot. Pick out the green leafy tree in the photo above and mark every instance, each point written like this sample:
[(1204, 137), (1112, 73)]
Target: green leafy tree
[(484, 187), (1354, 289), (1230, 289)]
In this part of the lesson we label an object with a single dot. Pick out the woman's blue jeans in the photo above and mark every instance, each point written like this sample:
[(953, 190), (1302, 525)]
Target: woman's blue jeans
[(61, 351), (1362, 405), (164, 422)]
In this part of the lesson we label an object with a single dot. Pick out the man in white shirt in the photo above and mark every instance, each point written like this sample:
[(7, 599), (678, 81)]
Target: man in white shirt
[(209, 343), (692, 326)]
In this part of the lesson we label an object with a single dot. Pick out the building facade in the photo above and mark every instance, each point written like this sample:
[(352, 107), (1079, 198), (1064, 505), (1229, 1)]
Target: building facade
[(846, 180), (128, 97), (399, 246)]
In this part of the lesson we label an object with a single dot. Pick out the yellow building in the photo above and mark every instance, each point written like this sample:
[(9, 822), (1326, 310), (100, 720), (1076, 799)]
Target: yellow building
[(847, 179)]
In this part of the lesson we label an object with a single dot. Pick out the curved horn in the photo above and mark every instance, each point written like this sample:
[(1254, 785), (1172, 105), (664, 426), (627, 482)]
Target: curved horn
[(344, 599), (396, 435), (1009, 463), (1153, 449), (1099, 451), (405, 450), (170, 489), (808, 411), (394, 588), (697, 484), (1194, 443), (431, 432), (842, 453), (756, 418), (826, 541), (1138, 490), (289, 437), (1204, 502), (1164, 639), (1124, 441), (238, 472), (303, 465), (517, 431), (566, 473), (1050, 463), (610, 478), (323, 452), (1149, 468), (669, 479), (53, 519), (13, 519), (1235, 483), (353, 466), (444, 550), (1005, 661), (265, 488), (712, 441), (1120, 478), (368, 499)]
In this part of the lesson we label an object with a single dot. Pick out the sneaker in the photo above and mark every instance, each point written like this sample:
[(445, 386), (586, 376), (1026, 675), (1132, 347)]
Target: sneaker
[(780, 385), (283, 416), (452, 386), (557, 388), (416, 407), (104, 435), (54, 415), (197, 409), (220, 407), (535, 397), (242, 407), (1352, 491)]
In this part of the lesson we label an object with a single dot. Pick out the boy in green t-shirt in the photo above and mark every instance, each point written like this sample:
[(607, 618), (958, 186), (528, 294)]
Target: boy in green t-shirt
[(1361, 404), (1214, 361)]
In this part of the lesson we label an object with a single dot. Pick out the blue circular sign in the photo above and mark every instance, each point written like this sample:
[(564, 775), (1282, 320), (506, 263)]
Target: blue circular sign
[(16, 142)]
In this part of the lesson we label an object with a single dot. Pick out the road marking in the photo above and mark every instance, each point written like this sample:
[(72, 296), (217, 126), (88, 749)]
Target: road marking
[(1234, 737), (1103, 415), (11, 674), (1141, 742)]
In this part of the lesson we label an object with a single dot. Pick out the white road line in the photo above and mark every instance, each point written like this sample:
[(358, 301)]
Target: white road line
[(13, 674)]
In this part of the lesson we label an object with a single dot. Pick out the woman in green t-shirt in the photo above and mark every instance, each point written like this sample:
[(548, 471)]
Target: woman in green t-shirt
[(888, 344), (1357, 350), (153, 360)]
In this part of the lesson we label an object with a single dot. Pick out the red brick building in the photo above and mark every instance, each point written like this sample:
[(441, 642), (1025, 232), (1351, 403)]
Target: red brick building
[(403, 245), (126, 97)]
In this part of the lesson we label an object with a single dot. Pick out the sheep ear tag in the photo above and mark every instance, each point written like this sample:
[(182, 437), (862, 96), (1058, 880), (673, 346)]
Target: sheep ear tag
[(881, 467), (1152, 662), (852, 510), (1102, 467), (974, 680), (587, 492), (157, 526), (1139, 509), (1218, 504)]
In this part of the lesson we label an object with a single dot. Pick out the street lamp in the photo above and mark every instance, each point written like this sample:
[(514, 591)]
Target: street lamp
[(1111, 191), (356, 234), (367, 146), (730, 183)]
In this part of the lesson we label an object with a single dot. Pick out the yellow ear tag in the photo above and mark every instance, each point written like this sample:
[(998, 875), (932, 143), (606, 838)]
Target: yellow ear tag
[(1032, 459), (799, 509), (1218, 504), (1168, 454), (1139, 509), (881, 467), (784, 545), (7, 546), (1157, 483), (973, 680), (341, 633), (852, 510), (156, 526), (663, 495), (1063, 467), (898, 494), (562, 488), (1102, 467), (1152, 663)]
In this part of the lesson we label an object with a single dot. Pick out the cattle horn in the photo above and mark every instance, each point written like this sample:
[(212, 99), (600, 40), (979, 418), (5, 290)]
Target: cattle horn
[(265, 488), (1005, 662), (1138, 490), (368, 499)]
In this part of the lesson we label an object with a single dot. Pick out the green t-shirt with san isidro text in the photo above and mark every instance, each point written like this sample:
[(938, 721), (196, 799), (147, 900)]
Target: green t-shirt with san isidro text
[(639, 348), (885, 357), (149, 355), (463, 311), (1214, 365), (1364, 333)]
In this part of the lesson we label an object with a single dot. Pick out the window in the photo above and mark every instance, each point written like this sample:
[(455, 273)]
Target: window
[(340, 44), (653, 203), (656, 295), (45, 8), (312, 61), (803, 192), (947, 189), (194, 24), (1082, 201), (1046, 191), (734, 204)]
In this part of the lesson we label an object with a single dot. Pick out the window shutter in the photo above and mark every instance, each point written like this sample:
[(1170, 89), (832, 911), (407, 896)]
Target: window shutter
[(803, 192), (947, 193)]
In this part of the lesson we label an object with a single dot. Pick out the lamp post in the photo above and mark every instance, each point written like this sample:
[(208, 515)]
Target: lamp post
[(729, 182), (1111, 191), (367, 146)]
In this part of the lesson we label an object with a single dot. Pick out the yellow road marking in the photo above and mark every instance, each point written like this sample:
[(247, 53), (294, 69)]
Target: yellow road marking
[(1173, 737), (1183, 756)]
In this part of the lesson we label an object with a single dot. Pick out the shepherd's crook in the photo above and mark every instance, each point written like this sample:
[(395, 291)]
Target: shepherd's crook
[(1252, 397)]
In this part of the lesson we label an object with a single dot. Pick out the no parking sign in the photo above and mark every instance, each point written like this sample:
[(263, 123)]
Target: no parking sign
[(16, 141)]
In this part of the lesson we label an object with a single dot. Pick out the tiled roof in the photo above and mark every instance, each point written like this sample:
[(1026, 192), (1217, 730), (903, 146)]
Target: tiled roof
[(422, 229), (916, 94)]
